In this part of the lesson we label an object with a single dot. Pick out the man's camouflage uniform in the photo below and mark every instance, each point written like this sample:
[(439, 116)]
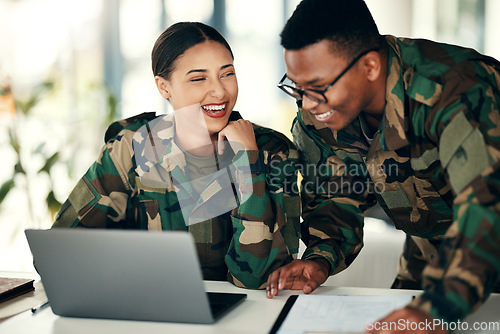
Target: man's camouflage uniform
[(243, 245), (434, 167)]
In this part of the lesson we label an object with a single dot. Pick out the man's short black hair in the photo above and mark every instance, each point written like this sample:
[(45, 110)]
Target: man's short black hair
[(347, 23)]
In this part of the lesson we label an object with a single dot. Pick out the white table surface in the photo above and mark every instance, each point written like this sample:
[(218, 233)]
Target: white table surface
[(256, 314), (24, 302)]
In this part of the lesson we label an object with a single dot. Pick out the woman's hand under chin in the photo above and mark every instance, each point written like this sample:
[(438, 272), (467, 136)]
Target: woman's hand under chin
[(240, 136)]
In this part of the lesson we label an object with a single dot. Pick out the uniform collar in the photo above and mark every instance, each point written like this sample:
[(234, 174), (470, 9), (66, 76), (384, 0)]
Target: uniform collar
[(158, 158), (152, 143), (327, 137), (171, 156)]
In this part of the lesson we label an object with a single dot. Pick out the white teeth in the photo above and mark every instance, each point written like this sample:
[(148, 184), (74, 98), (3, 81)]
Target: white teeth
[(323, 116), (214, 108)]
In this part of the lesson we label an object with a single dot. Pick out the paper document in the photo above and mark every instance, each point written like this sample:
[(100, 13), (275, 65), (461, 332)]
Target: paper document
[(337, 314)]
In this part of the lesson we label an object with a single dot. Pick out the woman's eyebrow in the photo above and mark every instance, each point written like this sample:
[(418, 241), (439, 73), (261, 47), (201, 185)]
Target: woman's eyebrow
[(202, 70), (196, 70)]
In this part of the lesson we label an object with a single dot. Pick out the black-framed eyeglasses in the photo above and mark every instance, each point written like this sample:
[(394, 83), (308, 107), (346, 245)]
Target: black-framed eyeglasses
[(314, 94)]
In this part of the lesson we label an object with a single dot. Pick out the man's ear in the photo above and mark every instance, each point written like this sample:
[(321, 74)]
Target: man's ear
[(373, 65), (162, 86)]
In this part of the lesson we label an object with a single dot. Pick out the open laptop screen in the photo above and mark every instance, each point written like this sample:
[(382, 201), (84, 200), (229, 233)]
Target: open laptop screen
[(118, 274)]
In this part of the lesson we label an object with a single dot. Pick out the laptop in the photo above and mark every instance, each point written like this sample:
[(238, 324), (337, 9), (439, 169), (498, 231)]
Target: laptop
[(124, 274)]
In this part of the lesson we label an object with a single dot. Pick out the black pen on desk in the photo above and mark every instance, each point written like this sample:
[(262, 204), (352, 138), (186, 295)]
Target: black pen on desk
[(39, 307)]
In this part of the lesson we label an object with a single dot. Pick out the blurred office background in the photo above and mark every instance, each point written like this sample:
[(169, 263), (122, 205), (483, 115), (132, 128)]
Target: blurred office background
[(69, 68)]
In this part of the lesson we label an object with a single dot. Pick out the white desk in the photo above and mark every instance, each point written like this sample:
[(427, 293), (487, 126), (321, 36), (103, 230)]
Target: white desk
[(255, 315), (25, 301)]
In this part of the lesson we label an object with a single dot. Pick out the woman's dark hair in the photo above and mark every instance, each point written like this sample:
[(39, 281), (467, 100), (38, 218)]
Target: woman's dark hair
[(348, 24), (178, 38)]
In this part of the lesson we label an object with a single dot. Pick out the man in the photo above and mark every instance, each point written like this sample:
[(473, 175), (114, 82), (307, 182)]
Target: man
[(411, 124)]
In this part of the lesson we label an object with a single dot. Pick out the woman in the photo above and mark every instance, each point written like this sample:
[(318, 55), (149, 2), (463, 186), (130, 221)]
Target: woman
[(203, 169)]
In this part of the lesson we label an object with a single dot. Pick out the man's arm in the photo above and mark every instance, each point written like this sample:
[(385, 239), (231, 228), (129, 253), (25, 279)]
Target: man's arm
[(468, 263), (333, 215)]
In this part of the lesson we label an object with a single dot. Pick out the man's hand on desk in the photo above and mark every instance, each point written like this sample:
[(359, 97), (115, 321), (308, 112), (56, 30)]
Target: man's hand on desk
[(405, 320), (304, 275)]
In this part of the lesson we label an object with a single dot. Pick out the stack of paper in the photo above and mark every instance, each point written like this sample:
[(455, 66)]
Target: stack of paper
[(338, 314)]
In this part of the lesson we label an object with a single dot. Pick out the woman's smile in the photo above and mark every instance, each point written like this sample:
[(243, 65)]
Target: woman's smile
[(215, 110)]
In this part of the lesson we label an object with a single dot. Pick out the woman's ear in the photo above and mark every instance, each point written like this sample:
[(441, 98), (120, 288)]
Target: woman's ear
[(162, 85)]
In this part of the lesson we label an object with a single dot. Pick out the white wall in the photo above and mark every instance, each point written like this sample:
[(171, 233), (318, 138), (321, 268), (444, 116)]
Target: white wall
[(393, 17), (492, 41), (419, 19)]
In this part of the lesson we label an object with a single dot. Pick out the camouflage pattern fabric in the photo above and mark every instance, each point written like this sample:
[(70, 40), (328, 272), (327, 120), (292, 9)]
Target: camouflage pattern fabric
[(434, 167), (243, 245)]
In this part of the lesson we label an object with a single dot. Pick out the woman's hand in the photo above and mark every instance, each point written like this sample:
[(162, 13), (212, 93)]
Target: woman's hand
[(240, 136)]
